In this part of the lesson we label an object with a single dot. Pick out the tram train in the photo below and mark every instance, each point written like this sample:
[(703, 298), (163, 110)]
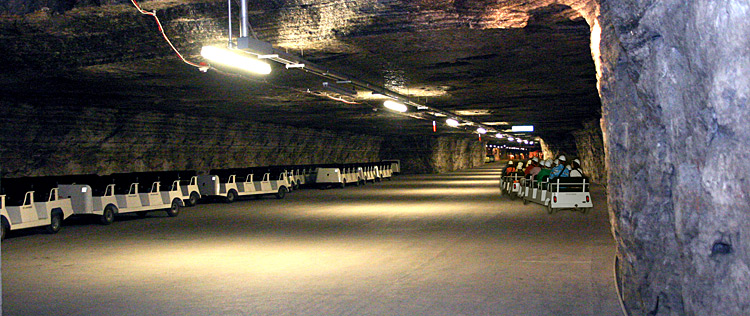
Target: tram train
[(557, 194), (34, 202)]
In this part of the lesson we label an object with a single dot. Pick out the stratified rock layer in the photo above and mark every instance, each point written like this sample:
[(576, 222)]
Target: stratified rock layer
[(434, 154), (58, 140), (590, 150), (675, 82)]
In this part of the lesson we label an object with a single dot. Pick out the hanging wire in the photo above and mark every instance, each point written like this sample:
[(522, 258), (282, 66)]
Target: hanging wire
[(201, 66)]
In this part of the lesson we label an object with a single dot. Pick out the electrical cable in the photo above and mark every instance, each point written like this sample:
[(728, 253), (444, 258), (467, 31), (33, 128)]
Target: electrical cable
[(201, 66)]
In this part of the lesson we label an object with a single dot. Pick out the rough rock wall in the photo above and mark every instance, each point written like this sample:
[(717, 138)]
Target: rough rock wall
[(434, 154), (590, 149), (51, 140), (675, 83), (562, 144)]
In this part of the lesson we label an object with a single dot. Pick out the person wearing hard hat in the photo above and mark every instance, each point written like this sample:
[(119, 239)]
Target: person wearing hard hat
[(544, 172), (575, 170), (533, 163), (559, 170), (535, 168)]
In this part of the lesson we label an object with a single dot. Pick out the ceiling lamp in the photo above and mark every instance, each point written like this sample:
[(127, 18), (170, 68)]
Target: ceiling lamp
[(235, 59), (499, 135), (393, 105), (510, 139), (451, 122), (522, 128), (481, 130)]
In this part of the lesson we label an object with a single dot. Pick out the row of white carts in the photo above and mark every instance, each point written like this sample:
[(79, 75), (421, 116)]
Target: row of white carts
[(46, 201)]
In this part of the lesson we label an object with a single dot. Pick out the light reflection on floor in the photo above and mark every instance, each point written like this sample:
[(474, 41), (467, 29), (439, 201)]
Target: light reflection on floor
[(418, 245)]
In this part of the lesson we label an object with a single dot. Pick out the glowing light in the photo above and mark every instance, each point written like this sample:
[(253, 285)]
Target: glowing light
[(235, 59), (519, 140), (451, 122), (511, 139), (481, 131), (522, 128), (393, 105), (498, 135)]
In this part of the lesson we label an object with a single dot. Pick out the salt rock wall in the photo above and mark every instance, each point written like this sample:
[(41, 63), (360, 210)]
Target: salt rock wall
[(51, 140), (590, 148), (675, 88), (434, 154)]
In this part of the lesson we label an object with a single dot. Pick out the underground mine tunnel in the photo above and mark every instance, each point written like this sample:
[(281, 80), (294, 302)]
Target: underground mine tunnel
[(651, 95)]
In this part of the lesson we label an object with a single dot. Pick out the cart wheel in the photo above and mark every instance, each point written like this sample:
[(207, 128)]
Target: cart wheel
[(55, 223), (525, 201), (174, 210), (108, 216), (282, 193), (194, 197), (231, 196), (549, 208)]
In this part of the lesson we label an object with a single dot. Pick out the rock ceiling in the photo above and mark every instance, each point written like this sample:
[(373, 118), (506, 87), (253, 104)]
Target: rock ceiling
[(497, 62)]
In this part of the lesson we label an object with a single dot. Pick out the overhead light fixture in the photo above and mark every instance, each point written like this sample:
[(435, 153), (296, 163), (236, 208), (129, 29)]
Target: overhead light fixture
[(499, 135), (519, 140), (522, 128), (393, 105), (531, 142), (481, 130), (510, 139), (235, 59), (451, 122)]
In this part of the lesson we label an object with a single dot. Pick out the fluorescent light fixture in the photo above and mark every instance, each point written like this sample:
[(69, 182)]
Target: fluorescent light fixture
[(519, 140), (481, 131), (499, 135), (522, 128), (510, 139), (451, 122), (393, 105), (236, 59)]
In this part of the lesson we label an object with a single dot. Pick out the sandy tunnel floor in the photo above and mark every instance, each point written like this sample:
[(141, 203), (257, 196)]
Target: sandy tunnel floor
[(445, 244)]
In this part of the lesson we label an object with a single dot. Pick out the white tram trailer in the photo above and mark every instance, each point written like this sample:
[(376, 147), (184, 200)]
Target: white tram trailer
[(229, 189), (29, 213), (111, 203)]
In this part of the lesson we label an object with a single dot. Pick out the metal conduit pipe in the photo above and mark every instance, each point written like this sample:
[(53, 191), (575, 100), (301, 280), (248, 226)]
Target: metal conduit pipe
[(243, 20), (265, 50)]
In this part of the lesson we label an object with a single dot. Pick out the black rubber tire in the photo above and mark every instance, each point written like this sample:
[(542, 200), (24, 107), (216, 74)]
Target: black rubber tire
[(174, 209), (108, 216), (525, 201), (231, 196), (296, 185), (550, 210), (361, 182), (343, 184), (194, 197), (4, 228), (282, 193), (141, 214), (55, 223)]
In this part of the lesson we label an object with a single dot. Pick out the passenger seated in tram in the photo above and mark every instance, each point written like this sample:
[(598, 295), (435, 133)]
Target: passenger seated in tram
[(519, 168), (509, 168), (576, 170), (559, 170), (544, 172), (530, 165)]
